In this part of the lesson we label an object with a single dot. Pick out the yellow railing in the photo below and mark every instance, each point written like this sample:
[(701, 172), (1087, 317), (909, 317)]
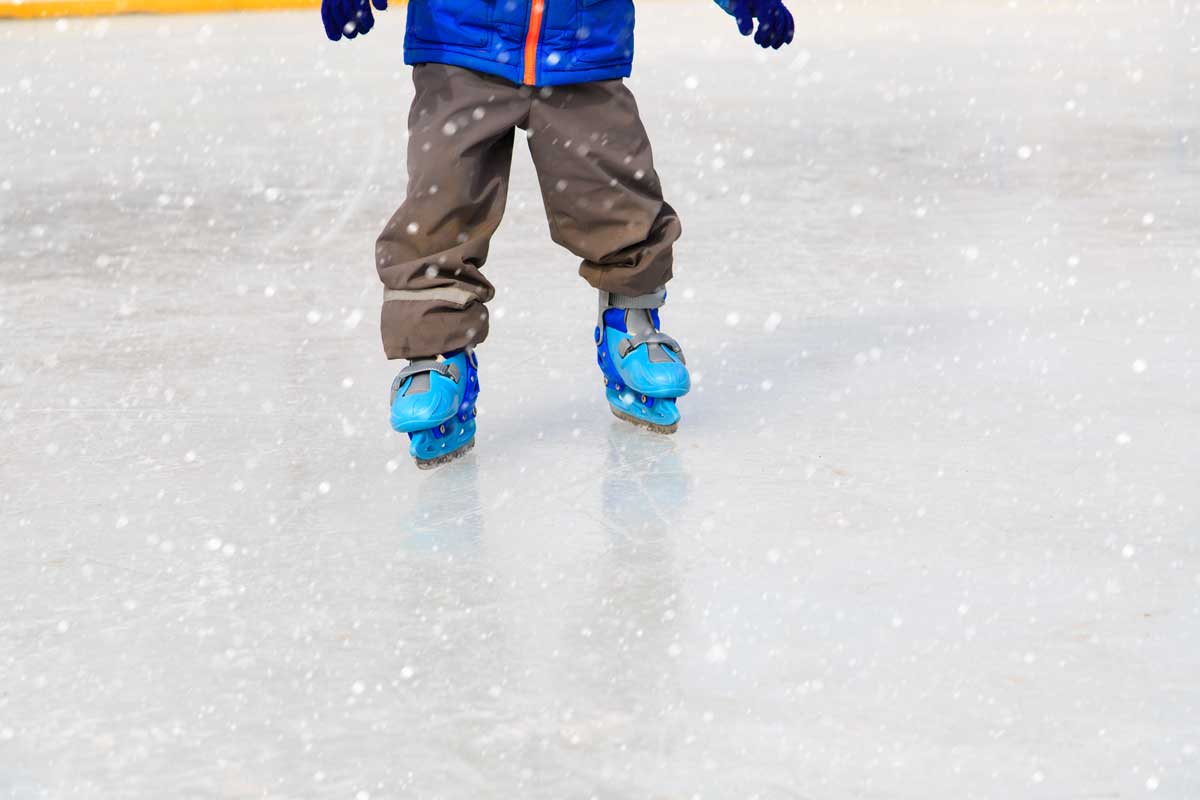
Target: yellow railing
[(32, 9)]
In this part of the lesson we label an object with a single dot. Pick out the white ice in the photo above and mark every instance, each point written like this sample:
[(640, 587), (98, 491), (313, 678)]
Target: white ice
[(929, 529)]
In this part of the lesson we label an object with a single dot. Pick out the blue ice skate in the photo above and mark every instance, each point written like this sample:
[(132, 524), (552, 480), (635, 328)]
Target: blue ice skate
[(433, 401), (644, 369)]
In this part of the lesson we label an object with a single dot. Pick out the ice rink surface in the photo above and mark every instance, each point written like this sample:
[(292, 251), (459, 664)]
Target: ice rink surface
[(929, 530)]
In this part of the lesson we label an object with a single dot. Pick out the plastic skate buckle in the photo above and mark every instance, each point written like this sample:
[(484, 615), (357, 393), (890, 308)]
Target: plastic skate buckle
[(444, 368), (627, 346)]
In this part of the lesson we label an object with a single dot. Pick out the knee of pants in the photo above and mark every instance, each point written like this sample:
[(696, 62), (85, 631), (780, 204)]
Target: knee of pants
[(619, 242)]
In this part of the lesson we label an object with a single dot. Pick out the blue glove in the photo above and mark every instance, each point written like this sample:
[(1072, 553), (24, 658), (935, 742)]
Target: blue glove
[(775, 24), (349, 18)]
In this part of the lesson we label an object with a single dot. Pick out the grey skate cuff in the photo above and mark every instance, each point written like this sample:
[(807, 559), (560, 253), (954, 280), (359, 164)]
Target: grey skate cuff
[(613, 300)]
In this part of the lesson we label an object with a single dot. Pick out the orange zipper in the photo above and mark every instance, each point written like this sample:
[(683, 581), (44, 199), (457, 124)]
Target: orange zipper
[(536, 10)]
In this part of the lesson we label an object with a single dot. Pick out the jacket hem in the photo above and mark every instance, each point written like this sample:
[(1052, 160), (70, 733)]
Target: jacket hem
[(513, 72), (424, 55), (563, 77)]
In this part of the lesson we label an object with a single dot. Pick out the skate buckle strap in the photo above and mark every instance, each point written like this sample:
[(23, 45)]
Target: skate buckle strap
[(627, 346), (429, 365), (444, 368)]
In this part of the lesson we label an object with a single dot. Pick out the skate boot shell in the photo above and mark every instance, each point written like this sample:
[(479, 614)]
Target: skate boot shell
[(644, 369), (433, 401)]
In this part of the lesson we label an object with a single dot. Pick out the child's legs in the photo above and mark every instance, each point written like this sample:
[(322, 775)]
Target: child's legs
[(602, 195), (430, 253)]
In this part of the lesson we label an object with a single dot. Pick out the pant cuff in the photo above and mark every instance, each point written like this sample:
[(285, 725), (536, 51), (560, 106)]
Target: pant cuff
[(428, 328)]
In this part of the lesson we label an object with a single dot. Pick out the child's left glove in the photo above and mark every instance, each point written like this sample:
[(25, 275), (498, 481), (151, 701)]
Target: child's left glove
[(775, 24), (349, 18)]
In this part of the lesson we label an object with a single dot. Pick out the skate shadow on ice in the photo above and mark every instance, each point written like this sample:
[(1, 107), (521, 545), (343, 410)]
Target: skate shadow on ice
[(446, 515), (621, 675), (645, 485)]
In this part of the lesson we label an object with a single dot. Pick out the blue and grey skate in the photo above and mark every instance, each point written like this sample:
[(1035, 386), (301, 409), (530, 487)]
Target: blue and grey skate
[(644, 369), (433, 401)]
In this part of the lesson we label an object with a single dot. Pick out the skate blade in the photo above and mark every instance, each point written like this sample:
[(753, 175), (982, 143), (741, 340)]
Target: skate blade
[(641, 423), (432, 463)]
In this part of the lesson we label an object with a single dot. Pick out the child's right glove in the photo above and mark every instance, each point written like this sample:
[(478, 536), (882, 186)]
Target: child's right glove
[(775, 24), (349, 18)]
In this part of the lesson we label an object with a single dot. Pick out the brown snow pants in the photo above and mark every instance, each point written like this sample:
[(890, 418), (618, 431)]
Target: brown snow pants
[(602, 197)]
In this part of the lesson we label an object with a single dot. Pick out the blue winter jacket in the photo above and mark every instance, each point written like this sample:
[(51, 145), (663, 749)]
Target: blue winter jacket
[(535, 42)]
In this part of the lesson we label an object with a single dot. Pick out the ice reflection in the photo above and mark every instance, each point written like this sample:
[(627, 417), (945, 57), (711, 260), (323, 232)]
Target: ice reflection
[(446, 514), (644, 483), (623, 633)]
